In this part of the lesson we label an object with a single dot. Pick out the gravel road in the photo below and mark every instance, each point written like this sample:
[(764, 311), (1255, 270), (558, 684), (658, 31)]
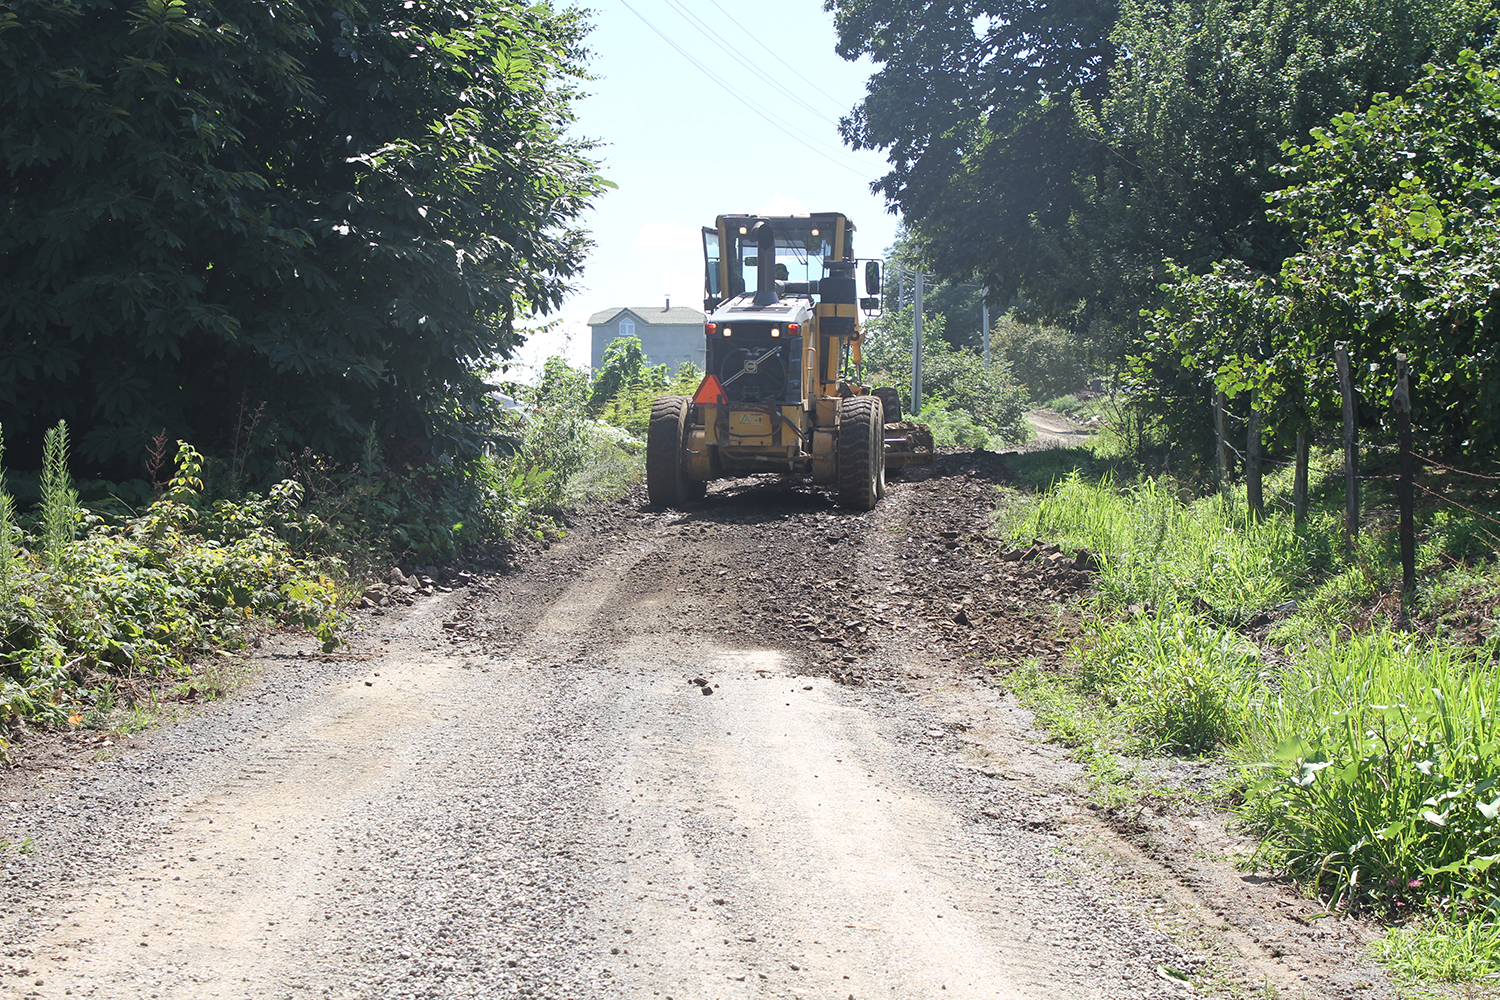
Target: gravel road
[(735, 751)]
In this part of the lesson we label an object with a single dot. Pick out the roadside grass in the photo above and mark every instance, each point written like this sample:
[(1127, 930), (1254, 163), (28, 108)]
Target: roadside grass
[(1440, 950), (1365, 730)]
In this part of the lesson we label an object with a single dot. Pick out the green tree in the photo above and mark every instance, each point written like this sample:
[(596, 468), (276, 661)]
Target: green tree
[(971, 102), (1395, 211), (624, 369), (339, 210), (1062, 151)]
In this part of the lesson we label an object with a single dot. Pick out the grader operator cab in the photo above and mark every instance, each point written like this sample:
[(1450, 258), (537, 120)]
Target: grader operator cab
[(781, 391)]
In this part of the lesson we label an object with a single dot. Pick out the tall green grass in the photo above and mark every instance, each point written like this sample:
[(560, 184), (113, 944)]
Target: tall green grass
[(1375, 772), (1158, 548), (1370, 757), (1178, 684)]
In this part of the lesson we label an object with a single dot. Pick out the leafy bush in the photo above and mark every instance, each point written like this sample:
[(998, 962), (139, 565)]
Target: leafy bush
[(143, 594), (1049, 361), (957, 428), (954, 381)]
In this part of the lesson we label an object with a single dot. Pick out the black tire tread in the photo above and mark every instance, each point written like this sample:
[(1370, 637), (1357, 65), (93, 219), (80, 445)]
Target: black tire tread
[(667, 484), (890, 400), (861, 453)]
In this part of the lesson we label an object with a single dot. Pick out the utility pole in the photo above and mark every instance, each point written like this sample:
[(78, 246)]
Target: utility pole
[(916, 349), (984, 319)]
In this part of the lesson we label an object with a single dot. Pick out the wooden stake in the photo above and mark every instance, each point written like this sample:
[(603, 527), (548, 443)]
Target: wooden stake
[(1254, 495), (1406, 494), (1221, 447), (1299, 480), (1351, 451)]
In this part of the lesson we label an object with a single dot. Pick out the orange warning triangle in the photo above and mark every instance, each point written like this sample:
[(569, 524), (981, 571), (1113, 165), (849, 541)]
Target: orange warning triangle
[(710, 393)]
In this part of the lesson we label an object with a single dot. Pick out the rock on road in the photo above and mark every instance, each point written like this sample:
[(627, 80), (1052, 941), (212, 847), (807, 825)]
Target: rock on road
[(536, 800)]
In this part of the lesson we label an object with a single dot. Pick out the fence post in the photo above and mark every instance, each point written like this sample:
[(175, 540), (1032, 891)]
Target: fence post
[(1351, 451), (1406, 495), (1221, 447), (1254, 495), (1299, 479)]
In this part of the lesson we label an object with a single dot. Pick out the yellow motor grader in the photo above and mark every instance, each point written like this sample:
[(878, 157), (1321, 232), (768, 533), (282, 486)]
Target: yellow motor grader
[(781, 390)]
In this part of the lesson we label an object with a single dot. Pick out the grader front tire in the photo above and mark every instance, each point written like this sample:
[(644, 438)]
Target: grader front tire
[(861, 453), (667, 483)]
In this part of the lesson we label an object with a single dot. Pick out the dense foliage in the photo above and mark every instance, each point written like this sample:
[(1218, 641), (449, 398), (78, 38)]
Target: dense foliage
[(1064, 153), (1396, 217), (966, 403), (266, 228), (142, 595)]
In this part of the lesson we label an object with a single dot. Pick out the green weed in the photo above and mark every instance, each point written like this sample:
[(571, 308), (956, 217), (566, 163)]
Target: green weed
[(1441, 950), (1156, 548), (1375, 773), (60, 512), (9, 533), (1180, 684)]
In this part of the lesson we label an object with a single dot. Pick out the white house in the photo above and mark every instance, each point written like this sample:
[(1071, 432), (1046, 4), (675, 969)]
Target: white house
[(668, 336)]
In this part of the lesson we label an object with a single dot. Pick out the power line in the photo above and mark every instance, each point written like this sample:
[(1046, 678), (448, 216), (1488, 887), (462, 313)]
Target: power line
[(743, 98), (729, 49), (790, 131), (755, 38)]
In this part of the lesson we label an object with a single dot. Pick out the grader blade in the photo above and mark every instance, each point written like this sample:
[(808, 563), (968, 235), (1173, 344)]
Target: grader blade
[(908, 443)]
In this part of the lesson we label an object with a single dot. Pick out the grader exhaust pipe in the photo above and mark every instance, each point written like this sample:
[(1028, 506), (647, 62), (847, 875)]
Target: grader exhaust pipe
[(765, 265)]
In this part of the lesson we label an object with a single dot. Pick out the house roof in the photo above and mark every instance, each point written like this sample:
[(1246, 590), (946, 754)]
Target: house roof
[(650, 315)]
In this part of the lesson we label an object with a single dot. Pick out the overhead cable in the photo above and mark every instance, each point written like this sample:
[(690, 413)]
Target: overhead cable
[(755, 38), (776, 122), (728, 48)]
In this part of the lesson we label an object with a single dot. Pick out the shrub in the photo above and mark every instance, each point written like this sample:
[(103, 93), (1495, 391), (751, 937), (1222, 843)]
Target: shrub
[(954, 380), (143, 594), (1049, 361)]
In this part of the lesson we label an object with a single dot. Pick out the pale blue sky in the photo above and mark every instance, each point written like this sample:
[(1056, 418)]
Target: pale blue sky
[(683, 150)]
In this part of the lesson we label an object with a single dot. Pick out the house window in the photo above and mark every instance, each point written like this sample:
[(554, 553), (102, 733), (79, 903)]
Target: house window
[(627, 328)]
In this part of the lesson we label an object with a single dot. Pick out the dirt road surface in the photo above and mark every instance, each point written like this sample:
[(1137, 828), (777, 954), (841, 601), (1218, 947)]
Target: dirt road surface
[(751, 749)]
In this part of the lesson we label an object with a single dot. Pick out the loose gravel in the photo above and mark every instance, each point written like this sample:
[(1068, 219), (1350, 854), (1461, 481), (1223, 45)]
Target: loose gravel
[(755, 748)]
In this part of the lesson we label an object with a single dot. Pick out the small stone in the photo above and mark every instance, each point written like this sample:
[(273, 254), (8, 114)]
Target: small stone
[(707, 690)]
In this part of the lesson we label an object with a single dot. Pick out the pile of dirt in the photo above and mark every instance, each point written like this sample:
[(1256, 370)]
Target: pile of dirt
[(928, 561)]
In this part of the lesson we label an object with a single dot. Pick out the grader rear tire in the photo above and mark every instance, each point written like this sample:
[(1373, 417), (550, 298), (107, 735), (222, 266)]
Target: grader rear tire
[(891, 400), (861, 453), (667, 483)]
